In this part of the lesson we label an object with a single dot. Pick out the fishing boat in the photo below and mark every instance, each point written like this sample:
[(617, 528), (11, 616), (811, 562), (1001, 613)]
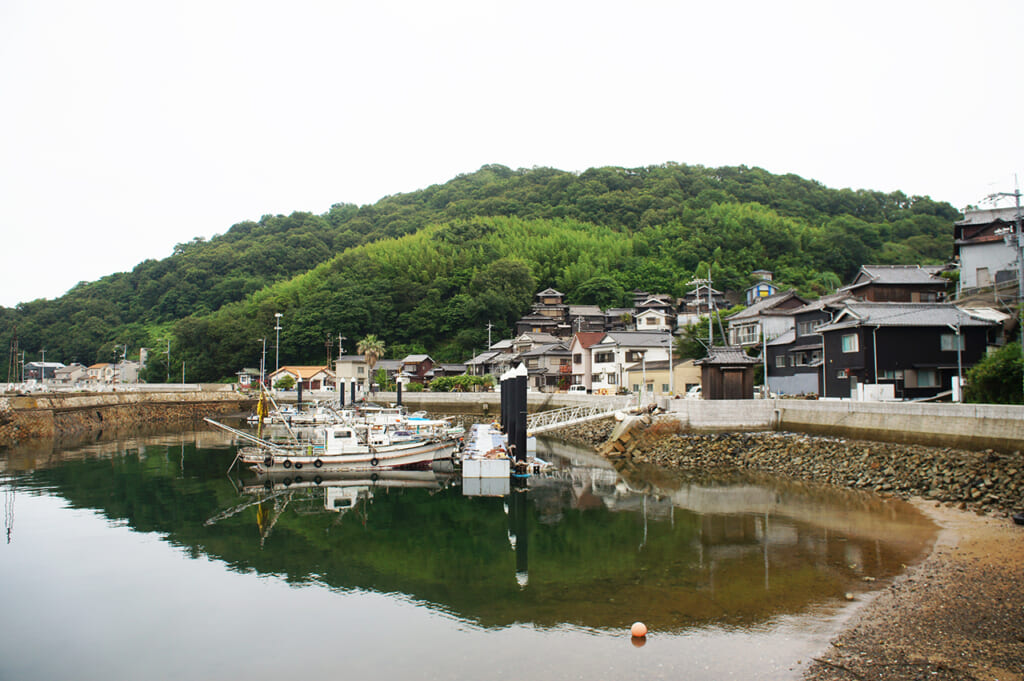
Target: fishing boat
[(339, 447)]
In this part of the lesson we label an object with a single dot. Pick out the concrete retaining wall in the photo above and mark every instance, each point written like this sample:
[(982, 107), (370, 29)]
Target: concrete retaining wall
[(52, 415), (966, 426)]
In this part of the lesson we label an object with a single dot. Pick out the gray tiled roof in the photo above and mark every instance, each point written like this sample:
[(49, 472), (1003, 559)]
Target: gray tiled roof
[(720, 355), (983, 217), (902, 314), (894, 274), (765, 305), (649, 339)]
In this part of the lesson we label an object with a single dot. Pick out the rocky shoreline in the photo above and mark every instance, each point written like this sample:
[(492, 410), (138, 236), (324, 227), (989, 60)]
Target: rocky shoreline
[(986, 482)]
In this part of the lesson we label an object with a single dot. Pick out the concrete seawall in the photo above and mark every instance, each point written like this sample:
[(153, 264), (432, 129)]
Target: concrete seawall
[(53, 415), (965, 426)]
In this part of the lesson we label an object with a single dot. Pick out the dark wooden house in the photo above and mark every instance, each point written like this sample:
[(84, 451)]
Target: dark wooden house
[(898, 284), (919, 348)]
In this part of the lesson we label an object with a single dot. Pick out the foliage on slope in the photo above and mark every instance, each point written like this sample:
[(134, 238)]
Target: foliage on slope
[(594, 235)]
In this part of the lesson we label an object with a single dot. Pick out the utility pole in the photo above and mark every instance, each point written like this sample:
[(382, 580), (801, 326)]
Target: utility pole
[(489, 326)]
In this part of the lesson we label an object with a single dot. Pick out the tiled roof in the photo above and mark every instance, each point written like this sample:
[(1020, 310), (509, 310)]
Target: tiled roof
[(894, 274), (726, 355), (650, 339), (902, 314), (765, 305)]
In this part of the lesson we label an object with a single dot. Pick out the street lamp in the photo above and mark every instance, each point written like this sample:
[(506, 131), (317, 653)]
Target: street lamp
[(277, 342)]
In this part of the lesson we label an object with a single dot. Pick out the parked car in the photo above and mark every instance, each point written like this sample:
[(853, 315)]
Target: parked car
[(694, 393), (578, 388)]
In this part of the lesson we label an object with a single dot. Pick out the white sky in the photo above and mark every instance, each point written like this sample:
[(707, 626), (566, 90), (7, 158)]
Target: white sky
[(127, 127)]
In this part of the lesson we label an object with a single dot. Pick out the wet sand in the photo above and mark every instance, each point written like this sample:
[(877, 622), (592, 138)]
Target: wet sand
[(958, 614)]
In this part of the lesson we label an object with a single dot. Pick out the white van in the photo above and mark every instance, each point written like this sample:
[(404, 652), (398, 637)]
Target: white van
[(578, 388)]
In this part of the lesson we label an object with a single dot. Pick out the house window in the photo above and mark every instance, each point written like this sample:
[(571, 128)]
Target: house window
[(926, 378), (780, 361), (359, 370), (850, 343), (531, 363), (951, 342), (612, 379), (636, 387), (746, 334), (892, 375), (634, 356), (807, 328), (577, 358), (604, 357), (664, 387)]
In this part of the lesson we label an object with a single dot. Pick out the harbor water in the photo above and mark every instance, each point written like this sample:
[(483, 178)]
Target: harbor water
[(145, 557)]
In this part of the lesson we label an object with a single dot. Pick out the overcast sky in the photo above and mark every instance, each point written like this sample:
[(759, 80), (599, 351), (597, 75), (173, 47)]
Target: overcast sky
[(127, 127)]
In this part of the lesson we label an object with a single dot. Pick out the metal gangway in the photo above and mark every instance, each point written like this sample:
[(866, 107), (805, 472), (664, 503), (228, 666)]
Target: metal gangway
[(545, 421)]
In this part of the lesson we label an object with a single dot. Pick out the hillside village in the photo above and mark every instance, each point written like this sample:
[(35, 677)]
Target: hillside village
[(897, 332)]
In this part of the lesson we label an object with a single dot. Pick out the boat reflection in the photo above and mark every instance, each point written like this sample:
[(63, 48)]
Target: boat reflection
[(593, 546)]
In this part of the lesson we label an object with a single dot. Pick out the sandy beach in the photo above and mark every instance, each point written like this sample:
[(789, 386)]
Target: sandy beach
[(958, 614)]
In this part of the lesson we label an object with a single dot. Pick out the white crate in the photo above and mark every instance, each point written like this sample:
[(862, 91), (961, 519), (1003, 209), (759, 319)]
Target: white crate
[(485, 468)]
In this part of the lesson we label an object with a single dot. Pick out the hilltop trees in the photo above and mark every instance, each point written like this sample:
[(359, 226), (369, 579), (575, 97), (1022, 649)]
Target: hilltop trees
[(432, 268)]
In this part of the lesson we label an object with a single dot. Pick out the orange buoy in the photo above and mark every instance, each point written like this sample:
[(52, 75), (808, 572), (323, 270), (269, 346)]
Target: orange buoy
[(639, 629)]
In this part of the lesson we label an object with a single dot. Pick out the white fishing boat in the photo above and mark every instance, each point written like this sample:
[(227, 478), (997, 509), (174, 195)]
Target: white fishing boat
[(339, 447)]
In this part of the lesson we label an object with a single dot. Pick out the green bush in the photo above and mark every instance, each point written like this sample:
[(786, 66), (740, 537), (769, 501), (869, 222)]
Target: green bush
[(997, 378)]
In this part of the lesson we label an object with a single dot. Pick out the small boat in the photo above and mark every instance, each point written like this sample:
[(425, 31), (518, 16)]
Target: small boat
[(338, 447)]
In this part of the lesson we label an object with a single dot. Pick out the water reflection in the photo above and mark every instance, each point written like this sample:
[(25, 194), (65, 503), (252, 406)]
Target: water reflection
[(586, 546)]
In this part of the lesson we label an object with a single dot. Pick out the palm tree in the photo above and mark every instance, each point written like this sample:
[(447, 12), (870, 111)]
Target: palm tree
[(372, 349)]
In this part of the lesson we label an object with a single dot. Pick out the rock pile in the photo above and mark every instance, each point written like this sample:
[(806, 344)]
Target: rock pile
[(986, 482)]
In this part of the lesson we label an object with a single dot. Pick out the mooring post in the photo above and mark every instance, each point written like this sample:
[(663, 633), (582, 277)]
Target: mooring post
[(518, 433)]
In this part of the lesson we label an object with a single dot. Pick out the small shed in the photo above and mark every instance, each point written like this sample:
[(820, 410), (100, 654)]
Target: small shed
[(727, 373)]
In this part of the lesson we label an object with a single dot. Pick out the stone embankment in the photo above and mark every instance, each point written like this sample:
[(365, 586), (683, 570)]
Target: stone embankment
[(985, 481)]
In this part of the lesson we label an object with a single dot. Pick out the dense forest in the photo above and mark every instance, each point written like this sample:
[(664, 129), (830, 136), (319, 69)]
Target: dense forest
[(427, 271)]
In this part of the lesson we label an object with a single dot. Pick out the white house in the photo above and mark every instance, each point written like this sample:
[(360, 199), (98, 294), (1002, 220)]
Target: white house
[(619, 349), (582, 360), (654, 320), (983, 242), (770, 317)]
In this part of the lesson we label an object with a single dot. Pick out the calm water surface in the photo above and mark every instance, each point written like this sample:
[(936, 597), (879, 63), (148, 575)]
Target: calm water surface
[(145, 558)]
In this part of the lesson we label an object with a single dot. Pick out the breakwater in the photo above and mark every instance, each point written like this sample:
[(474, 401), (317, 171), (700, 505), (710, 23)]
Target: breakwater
[(47, 416)]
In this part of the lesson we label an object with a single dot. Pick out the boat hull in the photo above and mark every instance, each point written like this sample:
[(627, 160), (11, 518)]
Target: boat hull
[(412, 454)]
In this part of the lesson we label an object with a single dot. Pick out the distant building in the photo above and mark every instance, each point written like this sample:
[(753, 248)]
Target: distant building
[(309, 377), (764, 287), (41, 371), (898, 284), (983, 244)]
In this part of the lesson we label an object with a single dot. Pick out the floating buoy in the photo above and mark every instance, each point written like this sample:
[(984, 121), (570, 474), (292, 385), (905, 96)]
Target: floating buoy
[(639, 629)]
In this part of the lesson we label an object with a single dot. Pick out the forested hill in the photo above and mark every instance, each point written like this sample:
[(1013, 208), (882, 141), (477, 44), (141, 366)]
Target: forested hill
[(428, 270)]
